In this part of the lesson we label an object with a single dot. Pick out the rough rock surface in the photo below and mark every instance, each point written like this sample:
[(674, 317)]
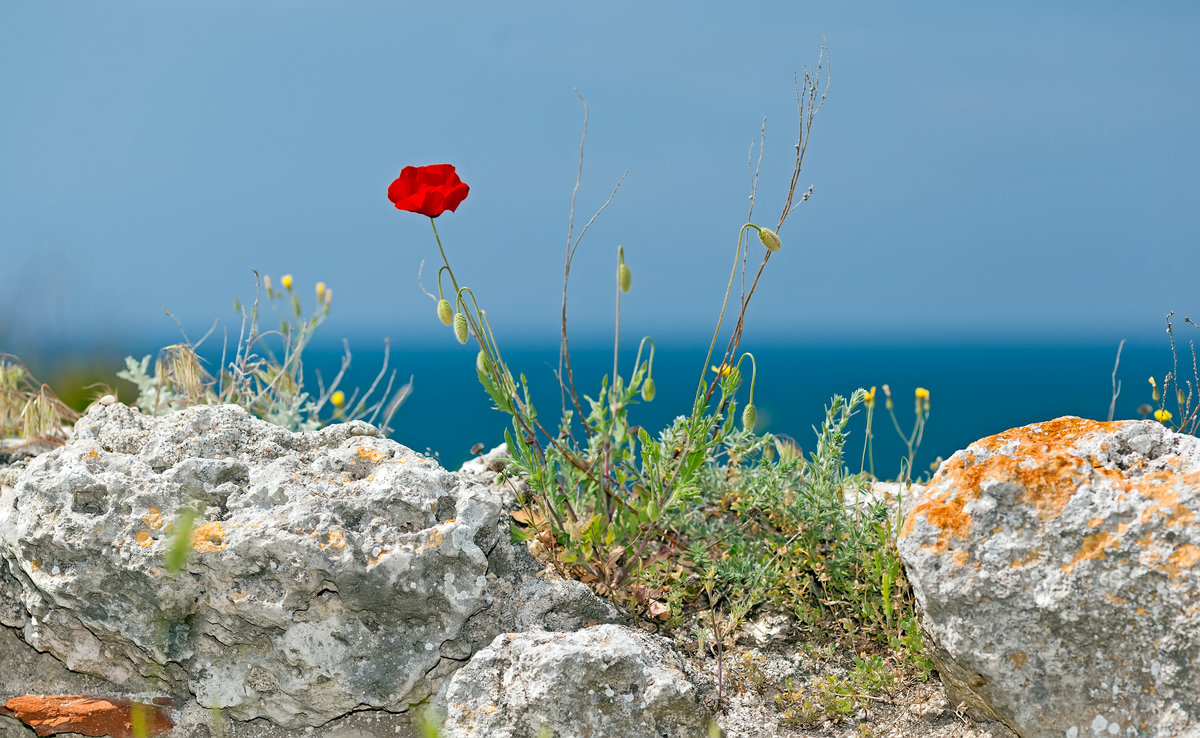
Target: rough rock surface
[(1055, 567), (327, 572), (606, 680)]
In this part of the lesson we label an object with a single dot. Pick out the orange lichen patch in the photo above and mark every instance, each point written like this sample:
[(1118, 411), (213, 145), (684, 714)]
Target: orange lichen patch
[(1092, 548), (1058, 433), (152, 519), (144, 538), (1159, 487), (208, 538), (435, 538), (377, 559), (92, 716), (371, 454), (1018, 658), (337, 539), (959, 557), (1030, 557), (35, 565), (1142, 612), (1095, 522), (93, 454), (1114, 599), (1185, 557)]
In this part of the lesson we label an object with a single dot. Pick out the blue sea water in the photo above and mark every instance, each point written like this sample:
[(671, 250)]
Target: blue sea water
[(976, 390)]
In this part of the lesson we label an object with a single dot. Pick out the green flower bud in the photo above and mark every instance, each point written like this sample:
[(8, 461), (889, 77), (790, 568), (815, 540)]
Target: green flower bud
[(460, 327), (648, 390), (624, 277), (769, 239), (445, 313), (482, 364), (652, 510), (749, 415)]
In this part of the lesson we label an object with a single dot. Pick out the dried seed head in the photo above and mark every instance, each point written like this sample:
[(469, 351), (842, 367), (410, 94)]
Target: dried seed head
[(445, 313), (460, 327)]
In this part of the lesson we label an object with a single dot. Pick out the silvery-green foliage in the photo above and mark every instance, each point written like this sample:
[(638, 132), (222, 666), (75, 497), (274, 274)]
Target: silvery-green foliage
[(154, 396)]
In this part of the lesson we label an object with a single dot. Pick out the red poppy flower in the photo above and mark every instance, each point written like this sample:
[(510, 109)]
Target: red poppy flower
[(430, 190)]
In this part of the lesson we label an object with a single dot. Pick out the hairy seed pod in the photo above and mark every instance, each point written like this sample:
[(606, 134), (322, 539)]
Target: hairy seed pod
[(460, 327), (445, 313), (769, 239), (652, 510), (749, 416), (648, 390)]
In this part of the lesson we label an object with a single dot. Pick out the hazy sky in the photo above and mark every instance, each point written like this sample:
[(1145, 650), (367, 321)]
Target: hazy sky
[(992, 170)]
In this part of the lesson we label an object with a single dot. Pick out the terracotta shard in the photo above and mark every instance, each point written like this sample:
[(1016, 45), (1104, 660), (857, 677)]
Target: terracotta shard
[(95, 716)]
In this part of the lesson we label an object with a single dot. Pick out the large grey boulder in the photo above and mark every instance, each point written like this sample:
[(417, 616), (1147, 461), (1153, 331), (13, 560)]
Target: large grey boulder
[(1055, 565), (602, 681), (327, 572)]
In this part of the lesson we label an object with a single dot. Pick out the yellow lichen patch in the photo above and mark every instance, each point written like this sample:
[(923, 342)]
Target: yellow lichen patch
[(435, 538), (208, 538), (152, 519), (959, 557), (371, 454), (35, 565), (143, 538), (337, 539), (1092, 548), (1185, 557), (1018, 658)]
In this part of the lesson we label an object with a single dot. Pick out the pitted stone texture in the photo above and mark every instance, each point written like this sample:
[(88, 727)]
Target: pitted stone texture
[(607, 680), (1055, 565), (328, 571)]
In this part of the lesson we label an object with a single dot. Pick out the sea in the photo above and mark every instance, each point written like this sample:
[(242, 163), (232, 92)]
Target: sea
[(975, 389)]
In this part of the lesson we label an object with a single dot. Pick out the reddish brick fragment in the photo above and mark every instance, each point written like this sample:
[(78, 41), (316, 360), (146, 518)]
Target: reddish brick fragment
[(94, 716)]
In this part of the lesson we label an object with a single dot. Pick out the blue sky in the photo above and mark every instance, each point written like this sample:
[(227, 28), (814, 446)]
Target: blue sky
[(993, 171)]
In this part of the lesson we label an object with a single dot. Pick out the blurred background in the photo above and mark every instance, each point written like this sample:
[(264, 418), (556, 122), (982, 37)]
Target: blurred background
[(1000, 194)]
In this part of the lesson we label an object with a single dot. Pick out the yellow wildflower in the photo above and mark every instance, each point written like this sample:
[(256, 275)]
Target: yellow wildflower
[(869, 398), (338, 398), (286, 281), (320, 291), (723, 371), (1162, 415)]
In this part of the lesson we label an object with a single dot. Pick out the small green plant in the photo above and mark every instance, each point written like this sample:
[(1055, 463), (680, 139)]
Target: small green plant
[(266, 372)]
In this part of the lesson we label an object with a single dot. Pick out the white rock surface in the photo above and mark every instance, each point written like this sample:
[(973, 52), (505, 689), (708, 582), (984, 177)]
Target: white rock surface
[(328, 571), (606, 680), (1055, 565)]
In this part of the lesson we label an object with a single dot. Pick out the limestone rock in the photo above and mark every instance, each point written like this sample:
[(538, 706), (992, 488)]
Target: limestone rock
[(1055, 565), (327, 571), (606, 680)]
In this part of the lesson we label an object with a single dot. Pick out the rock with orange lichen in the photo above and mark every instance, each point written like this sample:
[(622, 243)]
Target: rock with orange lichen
[(1057, 567), (94, 716)]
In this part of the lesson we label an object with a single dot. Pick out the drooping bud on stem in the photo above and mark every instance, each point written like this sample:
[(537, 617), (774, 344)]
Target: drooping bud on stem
[(460, 327), (648, 390), (749, 416), (769, 239), (445, 312)]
